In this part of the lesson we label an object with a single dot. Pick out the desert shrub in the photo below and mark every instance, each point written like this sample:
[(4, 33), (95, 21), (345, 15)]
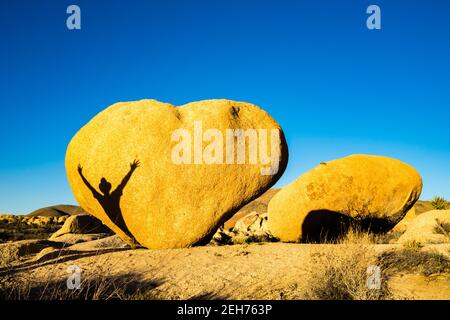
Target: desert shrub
[(442, 228), (439, 203), (412, 245), (386, 238), (340, 272), (413, 260), (377, 232), (3, 235)]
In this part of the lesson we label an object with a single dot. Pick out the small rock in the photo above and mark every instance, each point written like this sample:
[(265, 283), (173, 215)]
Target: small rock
[(81, 224), (10, 252), (73, 238), (111, 242), (250, 228)]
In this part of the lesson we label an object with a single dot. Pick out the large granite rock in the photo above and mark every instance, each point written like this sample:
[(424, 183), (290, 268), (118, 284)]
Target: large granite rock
[(188, 178), (365, 191)]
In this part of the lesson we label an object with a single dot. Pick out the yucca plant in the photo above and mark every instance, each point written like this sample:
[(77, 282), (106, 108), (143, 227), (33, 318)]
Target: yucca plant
[(439, 203), (442, 228)]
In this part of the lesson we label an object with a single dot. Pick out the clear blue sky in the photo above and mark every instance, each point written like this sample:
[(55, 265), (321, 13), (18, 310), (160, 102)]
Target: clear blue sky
[(335, 87)]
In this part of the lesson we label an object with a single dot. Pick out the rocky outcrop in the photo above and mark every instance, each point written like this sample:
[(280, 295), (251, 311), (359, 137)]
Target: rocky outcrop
[(368, 192), (250, 228)]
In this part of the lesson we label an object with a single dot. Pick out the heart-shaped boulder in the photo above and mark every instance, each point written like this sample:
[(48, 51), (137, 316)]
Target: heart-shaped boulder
[(169, 176)]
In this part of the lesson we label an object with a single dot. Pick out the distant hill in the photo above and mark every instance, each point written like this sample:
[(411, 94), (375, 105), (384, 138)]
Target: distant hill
[(57, 211), (423, 206)]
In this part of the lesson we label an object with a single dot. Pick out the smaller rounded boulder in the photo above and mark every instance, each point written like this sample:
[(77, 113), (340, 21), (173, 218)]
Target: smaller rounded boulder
[(81, 224), (363, 191)]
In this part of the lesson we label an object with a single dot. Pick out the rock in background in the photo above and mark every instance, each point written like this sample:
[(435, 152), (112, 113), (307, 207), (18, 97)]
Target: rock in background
[(81, 224), (363, 191), (431, 227), (250, 228)]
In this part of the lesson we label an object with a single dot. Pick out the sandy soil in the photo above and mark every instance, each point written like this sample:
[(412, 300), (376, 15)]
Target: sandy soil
[(254, 271)]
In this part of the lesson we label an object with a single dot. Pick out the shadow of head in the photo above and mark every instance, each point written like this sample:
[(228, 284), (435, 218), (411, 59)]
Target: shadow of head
[(105, 186), (329, 226)]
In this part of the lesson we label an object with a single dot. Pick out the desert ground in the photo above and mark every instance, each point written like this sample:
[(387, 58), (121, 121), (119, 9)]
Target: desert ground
[(251, 271), (243, 266)]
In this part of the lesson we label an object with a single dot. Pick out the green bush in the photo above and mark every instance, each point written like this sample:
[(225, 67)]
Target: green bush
[(439, 203)]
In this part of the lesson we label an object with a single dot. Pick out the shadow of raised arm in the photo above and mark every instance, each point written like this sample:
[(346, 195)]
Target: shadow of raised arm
[(86, 182), (135, 164)]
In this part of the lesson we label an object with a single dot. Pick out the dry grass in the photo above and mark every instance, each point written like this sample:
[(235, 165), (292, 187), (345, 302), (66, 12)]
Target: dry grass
[(442, 228), (413, 245), (95, 287), (386, 238), (98, 283), (340, 272), (414, 260)]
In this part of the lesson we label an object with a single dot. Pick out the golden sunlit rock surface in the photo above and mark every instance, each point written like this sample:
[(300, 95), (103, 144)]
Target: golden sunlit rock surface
[(371, 189), (121, 169), (404, 223), (432, 227)]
